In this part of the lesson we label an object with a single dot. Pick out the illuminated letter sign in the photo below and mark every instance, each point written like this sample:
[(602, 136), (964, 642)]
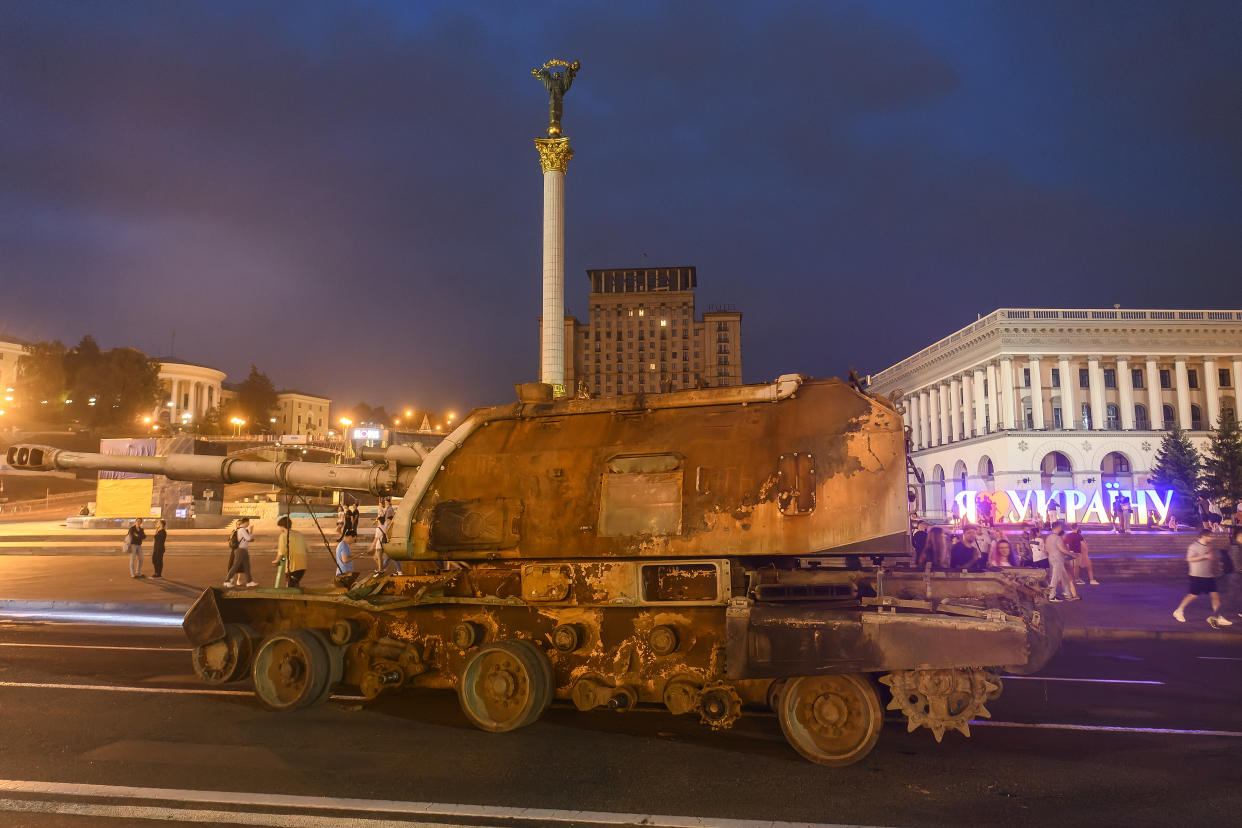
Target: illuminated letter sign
[(1016, 506)]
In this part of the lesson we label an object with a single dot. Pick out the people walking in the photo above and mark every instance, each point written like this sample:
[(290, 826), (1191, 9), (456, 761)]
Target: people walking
[(936, 549), (382, 523), (241, 556), (340, 521), (291, 549), (157, 548), (1058, 577), (134, 536), (1202, 580), (351, 519)]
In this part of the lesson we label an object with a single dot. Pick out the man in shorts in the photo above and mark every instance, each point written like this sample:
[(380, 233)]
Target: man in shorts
[(1202, 580)]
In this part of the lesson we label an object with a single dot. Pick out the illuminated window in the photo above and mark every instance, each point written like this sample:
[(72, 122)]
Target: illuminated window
[(663, 323)]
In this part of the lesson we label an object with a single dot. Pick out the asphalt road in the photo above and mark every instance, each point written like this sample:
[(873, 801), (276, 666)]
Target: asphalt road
[(1140, 733)]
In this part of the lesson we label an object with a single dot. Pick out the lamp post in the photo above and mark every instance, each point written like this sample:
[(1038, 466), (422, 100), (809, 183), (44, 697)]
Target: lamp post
[(237, 422)]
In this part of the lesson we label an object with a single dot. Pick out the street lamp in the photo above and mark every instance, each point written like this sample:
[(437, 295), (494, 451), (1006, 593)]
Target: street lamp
[(408, 412), (238, 422)]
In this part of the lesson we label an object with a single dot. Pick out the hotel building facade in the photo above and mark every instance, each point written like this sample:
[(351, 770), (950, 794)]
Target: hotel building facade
[(1029, 405), (642, 336)]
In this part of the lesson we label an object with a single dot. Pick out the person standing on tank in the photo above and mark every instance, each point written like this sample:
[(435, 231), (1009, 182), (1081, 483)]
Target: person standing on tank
[(345, 574), (134, 536), (157, 548), (241, 556), (291, 548)]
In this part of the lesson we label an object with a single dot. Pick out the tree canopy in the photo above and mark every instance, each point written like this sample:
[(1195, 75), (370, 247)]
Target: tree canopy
[(1222, 463), (1178, 467), (87, 385), (256, 399)]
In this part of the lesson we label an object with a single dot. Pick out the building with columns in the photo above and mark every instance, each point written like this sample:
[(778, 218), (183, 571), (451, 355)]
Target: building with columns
[(1047, 401), (190, 390)]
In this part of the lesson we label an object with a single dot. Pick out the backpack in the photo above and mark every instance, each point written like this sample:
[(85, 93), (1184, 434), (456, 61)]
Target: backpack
[(233, 542)]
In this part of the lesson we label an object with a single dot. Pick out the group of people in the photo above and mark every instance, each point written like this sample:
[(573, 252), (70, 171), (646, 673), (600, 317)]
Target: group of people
[(291, 554), (131, 545), (347, 518), (982, 548)]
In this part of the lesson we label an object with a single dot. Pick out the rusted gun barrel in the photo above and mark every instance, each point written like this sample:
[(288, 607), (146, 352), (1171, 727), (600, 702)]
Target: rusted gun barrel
[(389, 478)]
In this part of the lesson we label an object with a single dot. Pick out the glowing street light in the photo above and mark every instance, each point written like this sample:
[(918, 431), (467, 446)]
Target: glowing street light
[(408, 412), (345, 421), (146, 420), (451, 416), (238, 422)]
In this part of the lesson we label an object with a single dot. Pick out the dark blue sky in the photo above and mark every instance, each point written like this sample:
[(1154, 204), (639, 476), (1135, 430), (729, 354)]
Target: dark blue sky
[(346, 194)]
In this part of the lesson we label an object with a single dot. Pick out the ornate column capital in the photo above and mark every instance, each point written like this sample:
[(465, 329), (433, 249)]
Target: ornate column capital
[(554, 154)]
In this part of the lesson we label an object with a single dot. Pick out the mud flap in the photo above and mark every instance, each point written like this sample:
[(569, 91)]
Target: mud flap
[(203, 622)]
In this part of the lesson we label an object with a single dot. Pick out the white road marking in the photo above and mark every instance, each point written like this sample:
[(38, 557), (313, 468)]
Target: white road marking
[(1219, 658), (371, 806), (120, 688), (132, 812), (1084, 680), (97, 647), (1158, 731)]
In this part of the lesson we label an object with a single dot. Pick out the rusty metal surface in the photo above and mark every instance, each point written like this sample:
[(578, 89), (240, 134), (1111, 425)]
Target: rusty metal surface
[(819, 471)]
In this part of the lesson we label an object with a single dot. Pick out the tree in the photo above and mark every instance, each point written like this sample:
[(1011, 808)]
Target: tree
[(212, 422), (1178, 468), (1222, 464), (256, 397), (41, 376)]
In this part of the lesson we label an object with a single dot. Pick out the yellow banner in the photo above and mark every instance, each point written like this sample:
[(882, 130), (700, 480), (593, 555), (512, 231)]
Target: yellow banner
[(124, 498)]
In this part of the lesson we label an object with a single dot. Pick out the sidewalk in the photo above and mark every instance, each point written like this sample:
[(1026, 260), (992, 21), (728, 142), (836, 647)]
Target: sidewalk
[(1131, 609)]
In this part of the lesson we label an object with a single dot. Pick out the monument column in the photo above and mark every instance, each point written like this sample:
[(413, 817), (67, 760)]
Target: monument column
[(554, 155)]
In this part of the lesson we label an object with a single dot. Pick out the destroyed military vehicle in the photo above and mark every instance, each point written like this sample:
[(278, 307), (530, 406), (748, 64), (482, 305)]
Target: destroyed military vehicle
[(709, 551)]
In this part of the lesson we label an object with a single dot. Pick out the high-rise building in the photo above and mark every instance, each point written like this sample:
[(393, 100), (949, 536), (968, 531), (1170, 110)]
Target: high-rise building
[(642, 336)]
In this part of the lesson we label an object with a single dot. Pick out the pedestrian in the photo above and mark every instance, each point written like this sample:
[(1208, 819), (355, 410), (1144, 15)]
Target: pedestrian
[(1001, 556), (382, 560), (1052, 513), (919, 541), (1209, 518), (1125, 511), (241, 556), (157, 548), (134, 536), (291, 548), (1039, 553), (340, 521), (936, 550), (1231, 562), (351, 518), (1202, 580), (388, 512), (345, 574), (965, 552), (1057, 576), (1078, 547)]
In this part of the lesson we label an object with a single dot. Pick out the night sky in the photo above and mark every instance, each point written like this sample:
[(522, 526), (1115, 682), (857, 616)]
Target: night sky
[(347, 194)]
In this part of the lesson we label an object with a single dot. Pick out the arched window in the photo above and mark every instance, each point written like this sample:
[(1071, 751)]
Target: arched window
[(1169, 417), (1196, 418), (1054, 469), (1111, 421), (1140, 417)]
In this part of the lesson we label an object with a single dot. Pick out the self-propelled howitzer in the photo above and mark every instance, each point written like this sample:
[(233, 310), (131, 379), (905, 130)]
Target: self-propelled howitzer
[(701, 550)]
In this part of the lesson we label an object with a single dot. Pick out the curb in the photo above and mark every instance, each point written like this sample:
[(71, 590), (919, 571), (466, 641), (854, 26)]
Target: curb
[(1110, 634), (84, 606)]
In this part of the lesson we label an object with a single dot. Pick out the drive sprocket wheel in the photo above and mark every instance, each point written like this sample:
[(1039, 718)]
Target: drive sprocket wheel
[(944, 699), (719, 705)]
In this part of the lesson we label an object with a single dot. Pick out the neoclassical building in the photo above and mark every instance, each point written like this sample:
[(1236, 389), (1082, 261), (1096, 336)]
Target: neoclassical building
[(191, 389), (1048, 401)]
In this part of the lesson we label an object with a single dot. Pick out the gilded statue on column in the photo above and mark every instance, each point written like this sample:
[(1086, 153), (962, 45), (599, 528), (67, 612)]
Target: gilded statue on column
[(557, 83)]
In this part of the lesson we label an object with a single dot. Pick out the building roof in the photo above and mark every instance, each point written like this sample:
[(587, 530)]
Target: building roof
[(172, 360)]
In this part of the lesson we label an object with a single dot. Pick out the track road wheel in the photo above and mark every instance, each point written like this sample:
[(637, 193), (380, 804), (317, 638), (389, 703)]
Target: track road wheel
[(830, 720), (225, 659), (291, 670), (505, 685)]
